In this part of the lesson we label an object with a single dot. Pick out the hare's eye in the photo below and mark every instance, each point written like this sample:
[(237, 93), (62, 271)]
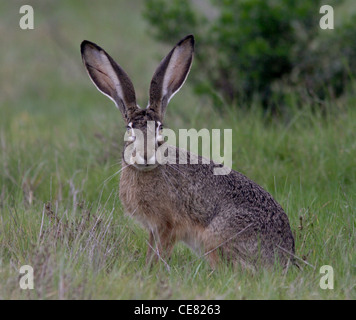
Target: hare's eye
[(129, 127), (160, 137)]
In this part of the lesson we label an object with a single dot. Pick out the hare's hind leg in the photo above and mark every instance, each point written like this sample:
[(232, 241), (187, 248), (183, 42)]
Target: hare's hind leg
[(227, 254), (213, 257), (228, 242)]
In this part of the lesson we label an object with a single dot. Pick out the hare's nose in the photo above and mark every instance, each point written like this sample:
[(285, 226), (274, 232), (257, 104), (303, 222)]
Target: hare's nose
[(145, 156), (152, 159)]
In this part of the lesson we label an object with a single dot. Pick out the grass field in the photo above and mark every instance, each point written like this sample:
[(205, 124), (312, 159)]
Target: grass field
[(60, 149)]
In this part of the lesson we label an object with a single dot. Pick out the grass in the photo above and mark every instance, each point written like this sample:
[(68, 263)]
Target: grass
[(60, 143)]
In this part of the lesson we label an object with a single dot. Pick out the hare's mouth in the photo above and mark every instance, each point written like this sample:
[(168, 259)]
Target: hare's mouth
[(141, 163), (145, 167)]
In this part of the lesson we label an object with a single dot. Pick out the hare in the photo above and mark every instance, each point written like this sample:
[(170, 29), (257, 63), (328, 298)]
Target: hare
[(222, 217)]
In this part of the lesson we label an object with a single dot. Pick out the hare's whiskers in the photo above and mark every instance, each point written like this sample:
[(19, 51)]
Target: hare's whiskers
[(115, 174), (115, 164)]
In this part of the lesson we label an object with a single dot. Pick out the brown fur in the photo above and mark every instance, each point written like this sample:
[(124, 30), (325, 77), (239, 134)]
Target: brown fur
[(223, 217), (228, 217)]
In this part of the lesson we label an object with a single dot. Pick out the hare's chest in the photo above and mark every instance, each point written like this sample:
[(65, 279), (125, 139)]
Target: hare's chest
[(147, 199)]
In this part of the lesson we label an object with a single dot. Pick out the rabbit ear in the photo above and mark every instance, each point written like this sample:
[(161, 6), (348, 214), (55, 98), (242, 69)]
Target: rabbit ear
[(171, 74), (109, 78)]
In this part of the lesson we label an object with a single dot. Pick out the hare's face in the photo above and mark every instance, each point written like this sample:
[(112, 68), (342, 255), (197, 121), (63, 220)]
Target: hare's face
[(144, 126), (143, 137)]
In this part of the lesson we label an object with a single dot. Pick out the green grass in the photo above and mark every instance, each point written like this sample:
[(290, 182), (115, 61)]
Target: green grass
[(60, 147)]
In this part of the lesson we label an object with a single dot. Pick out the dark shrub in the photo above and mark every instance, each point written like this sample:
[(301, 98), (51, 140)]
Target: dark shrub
[(249, 48)]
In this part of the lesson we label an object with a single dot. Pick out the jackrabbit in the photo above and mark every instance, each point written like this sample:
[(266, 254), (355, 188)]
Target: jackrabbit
[(222, 217)]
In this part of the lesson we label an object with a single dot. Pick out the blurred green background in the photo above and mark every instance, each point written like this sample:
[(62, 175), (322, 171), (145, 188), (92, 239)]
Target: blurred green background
[(60, 144), (264, 50)]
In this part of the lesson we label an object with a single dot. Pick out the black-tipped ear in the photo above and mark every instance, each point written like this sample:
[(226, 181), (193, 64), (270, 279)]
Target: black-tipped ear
[(171, 74), (109, 77)]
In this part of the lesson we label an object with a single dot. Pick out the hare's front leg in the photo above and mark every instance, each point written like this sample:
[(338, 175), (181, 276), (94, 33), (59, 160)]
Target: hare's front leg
[(160, 246), (150, 248)]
